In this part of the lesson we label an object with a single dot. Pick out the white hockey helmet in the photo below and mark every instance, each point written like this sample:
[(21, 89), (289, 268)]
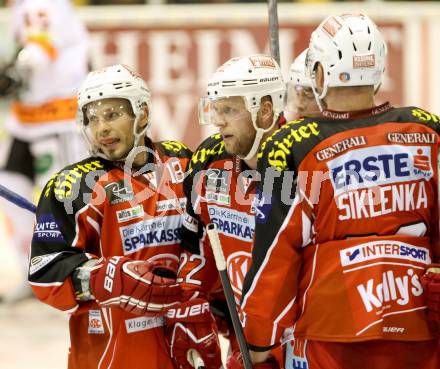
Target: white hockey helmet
[(118, 82), (251, 77), (297, 79), (350, 49)]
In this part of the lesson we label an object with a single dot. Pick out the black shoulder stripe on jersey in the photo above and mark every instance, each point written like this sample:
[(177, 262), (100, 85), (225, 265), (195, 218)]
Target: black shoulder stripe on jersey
[(174, 149), (290, 144), (69, 190), (211, 149), (59, 268), (190, 241), (67, 183)]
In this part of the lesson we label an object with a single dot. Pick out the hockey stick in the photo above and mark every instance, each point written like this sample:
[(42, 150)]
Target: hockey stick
[(220, 262), (194, 359), (273, 30), (16, 199)]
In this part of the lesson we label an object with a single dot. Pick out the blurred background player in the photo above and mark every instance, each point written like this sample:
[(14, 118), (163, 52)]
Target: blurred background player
[(106, 243), (244, 101), (343, 249), (50, 64), (300, 100)]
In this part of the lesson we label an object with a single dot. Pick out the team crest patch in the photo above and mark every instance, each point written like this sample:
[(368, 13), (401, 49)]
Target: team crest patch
[(217, 180), (118, 192), (96, 325)]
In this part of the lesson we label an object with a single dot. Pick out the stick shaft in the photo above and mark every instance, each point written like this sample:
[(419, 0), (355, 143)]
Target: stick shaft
[(229, 294), (272, 9), (16, 199)]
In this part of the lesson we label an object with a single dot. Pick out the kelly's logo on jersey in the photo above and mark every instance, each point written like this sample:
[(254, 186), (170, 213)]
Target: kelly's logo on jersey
[(379, 165), (384, 250), (390, 288)]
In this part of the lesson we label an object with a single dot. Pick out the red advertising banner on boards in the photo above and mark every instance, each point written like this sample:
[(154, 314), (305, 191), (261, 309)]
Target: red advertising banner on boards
[(178, 61)]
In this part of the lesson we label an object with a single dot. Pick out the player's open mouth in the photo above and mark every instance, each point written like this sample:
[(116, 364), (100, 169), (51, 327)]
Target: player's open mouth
[(110, 143), (226, 137)]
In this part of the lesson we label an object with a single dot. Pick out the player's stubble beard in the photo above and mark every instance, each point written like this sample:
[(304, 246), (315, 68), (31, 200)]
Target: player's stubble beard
[(242, 144)]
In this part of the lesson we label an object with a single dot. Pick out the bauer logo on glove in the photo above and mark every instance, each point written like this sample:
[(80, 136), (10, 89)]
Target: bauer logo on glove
[(139, 287)]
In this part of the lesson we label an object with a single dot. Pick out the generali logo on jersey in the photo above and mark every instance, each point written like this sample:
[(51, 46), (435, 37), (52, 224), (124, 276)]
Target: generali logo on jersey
[(340, 147)]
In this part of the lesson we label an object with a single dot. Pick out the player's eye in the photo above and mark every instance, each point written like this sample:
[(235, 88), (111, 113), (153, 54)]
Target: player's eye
[(110, 116), (92, 119)]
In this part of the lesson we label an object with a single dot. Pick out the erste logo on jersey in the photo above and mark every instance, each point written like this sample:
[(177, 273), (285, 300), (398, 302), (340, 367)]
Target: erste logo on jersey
[(233, 223), (384, 249), (150, 233), (379, 180), (379, 165)]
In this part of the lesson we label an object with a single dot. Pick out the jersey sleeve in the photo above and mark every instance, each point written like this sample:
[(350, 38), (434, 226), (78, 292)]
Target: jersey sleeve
[(433, 121), (66, 235), (282, 225)]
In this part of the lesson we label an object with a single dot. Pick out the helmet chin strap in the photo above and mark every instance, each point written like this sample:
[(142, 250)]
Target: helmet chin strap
[(131, 155), (318, 97), (259, 135)]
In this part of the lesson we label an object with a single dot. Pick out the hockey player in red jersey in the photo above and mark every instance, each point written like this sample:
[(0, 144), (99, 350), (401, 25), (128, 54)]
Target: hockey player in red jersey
[(106, 243), (244, 100), (351, 222)]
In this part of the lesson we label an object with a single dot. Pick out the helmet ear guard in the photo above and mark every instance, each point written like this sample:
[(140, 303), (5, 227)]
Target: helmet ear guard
[(351, 51), (251, 77), (117, 82)]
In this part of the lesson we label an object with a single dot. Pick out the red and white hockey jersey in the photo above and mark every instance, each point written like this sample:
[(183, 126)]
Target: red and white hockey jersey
[(347, 229), (92, 209)]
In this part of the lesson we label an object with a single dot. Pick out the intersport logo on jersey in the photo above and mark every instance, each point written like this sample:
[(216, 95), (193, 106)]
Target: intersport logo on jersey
[(379, 165), (384, 250)]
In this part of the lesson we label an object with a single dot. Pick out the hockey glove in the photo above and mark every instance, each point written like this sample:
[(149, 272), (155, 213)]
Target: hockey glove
[(431, 285), (235, 362), (139, 287), (190, 325)]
